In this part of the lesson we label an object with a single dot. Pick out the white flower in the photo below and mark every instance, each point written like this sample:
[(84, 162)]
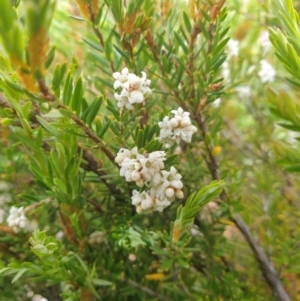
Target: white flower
[(39, 298), (17, 219), (177, 128), (243, 91), (123, 102), (139, 168), (5, 186), (129, 169), (225, 71), (166, 131), (232, 48), (169, 185), (216, 103), (125, 153), (145, 84), (59, 235), (148, 170), (143, 201), (152, 164), (267, 73), (161, 205), (32, 225), (97, 237), (134, 89), (122, 154), (264, 41), (5, 198), (120, 78)]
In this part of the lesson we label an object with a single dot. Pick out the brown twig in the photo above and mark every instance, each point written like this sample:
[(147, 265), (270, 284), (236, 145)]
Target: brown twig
[(4, 103), (94, 166), (7, 230), (92, 135), (266, 265), (193, 37), (147, 290)]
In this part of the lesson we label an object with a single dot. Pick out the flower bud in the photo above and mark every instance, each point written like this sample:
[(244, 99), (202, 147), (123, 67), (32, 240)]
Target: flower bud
[(140, 182), (216, 150), (185, 122), (174, 122), (179, 194), (170, 192), (139, 209), (6, 121)]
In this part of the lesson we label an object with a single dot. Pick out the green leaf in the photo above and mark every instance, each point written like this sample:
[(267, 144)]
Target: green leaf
[(50, 57), (39, 138), (181, 43), (197, 201), (294, 168), (104, 129), (54, 113), (94, 110), (77, 96), (137, 113), (68, 87), (19, 274), (61, 185), (47, 126), (10, 30), (93, 44), (183, 263), (153, 145), (187, 22), (139, 138), (100, 282), (58, 76), (123, 54), (292, 127)]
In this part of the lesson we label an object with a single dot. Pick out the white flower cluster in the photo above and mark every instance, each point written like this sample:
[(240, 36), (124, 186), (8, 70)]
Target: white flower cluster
[(267, 73), (17, 219), (243, 91), (134, 89), (148, 169), (264, 42), (177, 128), (30, 294), (225, 71), (39, 298), (97, 237), (232, 48)]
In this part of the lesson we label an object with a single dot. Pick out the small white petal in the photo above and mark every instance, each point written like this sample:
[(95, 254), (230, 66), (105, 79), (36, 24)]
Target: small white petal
[(116, 75), (136, 96)]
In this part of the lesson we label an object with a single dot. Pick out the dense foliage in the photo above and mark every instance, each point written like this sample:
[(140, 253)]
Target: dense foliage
[(148, 150)]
